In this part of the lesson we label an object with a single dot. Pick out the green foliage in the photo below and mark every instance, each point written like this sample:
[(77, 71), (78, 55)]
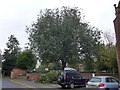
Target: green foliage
[(106, 59), (51, 66), (52, 76), (43, 78), (75, 66), (61, 34), (10, 55), (26, 60), (41, 68), (48, 77)]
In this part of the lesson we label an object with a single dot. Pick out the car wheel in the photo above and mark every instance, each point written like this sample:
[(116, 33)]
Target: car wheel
[(71, 85), (63, 86), (106, 88)]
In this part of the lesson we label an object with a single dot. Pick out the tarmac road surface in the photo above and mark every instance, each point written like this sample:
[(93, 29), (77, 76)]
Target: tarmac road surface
[(20, 84), (7, 83)]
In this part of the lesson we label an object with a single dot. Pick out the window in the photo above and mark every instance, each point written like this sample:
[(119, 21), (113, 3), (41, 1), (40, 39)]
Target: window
[(111, 80), (95, 79), (68, 75), (76, 75), (108, 80)]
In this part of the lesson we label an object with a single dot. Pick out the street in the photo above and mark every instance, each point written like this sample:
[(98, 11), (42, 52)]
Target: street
[(13, 84), (6, 83), (20, 84)]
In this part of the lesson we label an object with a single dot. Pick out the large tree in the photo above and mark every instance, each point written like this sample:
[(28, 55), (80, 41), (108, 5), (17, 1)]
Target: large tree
[(61, 34), (10, 55)]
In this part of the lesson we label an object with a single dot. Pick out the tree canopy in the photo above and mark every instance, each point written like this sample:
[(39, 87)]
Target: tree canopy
[(106, 58), (61, 34), (26, 60), (10, 55)]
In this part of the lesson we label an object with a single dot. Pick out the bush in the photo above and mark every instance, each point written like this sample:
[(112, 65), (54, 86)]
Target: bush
[(49, 77), (41, 69), (52, 76), (43, 78)]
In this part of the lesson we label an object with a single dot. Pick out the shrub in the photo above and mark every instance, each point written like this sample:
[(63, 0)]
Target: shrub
[(43, 78), (48, 77), (52, 76), (41, 69)]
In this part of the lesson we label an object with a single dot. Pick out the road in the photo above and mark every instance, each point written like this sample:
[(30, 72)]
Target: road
[(7, 83), (19, 84)]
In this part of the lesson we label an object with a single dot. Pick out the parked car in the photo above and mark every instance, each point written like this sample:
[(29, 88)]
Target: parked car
[(105, 82), (71, 79)]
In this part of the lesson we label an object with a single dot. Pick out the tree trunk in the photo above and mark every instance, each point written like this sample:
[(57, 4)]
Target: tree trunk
[(63, 64)]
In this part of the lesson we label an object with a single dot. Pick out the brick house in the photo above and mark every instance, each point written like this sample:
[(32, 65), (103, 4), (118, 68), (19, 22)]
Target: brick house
[(117, 32)]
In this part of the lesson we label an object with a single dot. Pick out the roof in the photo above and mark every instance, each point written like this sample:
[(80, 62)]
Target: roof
[(69, 69), (119, 4)]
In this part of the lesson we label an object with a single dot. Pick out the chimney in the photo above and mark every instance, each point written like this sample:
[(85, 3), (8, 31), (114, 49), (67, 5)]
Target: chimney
[(117, 32)]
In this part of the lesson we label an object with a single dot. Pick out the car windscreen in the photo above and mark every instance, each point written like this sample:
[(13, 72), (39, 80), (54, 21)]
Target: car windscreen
[(95, 79)]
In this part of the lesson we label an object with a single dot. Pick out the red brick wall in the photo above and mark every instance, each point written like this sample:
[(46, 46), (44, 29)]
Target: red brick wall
[(89, 75), (16, 72), (34, 77), (117, 32), (86, 75), (116, 75)]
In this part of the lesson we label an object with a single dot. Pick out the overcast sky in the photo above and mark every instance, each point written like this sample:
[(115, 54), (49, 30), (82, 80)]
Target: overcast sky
[(16, 14)]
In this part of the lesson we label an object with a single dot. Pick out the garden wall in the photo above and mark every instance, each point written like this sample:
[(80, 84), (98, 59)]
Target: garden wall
[(34, 76), (15, 73), (89, 75)]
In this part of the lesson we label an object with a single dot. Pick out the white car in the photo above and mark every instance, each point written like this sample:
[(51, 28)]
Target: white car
[(105, 82)]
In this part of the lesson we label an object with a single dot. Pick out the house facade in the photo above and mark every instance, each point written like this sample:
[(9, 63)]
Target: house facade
[(117, 32)]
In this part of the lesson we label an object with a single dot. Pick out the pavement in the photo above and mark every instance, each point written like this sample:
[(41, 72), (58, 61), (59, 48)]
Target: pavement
[(33, 84)]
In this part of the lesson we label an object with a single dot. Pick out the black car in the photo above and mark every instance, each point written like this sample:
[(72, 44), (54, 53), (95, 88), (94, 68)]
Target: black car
[(71, 79)]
